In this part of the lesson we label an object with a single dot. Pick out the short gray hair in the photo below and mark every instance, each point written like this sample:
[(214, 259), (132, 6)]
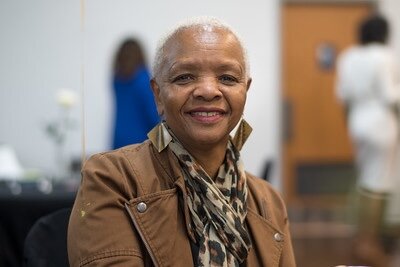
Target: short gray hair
[(203, 21)]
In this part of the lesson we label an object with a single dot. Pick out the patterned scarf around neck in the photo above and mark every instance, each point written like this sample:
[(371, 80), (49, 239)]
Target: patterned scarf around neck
[(218, 208)]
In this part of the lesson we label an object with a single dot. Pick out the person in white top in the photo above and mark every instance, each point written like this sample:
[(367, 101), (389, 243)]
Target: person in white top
[(368, 87)]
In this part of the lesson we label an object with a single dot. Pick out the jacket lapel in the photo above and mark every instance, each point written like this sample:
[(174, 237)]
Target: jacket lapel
[(157, 212), (158, 219), (267, 241)]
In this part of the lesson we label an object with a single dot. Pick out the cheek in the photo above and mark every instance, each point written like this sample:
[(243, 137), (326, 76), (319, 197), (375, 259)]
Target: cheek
[(174, 99), (237, 102), (170, 103)]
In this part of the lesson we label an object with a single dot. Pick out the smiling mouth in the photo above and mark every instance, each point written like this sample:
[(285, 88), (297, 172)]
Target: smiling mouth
[(207, 117), (205, 114)]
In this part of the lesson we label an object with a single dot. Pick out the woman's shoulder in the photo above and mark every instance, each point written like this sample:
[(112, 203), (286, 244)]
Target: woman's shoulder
[(112, 156), (264, 200), (261, 189), (119, 163), (257, 182), (137, 169), (370, 50)]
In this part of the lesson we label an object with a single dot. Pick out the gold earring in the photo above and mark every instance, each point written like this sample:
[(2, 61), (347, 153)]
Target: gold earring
[(159, 136), (242, 133)]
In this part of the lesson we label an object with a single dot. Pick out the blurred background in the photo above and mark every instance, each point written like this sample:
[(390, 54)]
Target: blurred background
[(56, 105)]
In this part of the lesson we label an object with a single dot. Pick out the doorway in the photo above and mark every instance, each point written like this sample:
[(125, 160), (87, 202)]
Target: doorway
[(317, 161)]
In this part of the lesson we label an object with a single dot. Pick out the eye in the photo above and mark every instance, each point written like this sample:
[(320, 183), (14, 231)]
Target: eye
[(183, 79), (228, 79)]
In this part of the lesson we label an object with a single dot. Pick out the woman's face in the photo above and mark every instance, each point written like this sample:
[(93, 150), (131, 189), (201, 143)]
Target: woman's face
[(201, 90)]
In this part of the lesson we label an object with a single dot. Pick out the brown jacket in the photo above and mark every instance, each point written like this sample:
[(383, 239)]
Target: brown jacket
[(130, 211)]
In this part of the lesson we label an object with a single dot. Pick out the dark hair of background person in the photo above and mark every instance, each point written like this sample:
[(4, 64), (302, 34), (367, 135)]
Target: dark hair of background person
[(374, 29), (128, 58)]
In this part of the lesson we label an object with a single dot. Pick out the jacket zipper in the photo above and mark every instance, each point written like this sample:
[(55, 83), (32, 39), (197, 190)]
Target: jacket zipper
[(153, 258)]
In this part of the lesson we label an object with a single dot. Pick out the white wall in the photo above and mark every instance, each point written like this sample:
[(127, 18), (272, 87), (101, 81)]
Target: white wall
[(41, 51), (391, 8)]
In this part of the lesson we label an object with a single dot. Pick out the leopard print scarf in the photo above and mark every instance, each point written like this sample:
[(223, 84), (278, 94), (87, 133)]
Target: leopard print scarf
[(218, 208)]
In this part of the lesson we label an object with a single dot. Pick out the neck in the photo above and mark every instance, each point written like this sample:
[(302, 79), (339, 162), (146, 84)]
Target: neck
[(210, 159)]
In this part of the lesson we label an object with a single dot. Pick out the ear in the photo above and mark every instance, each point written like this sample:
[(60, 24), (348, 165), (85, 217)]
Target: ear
[(156, 92), (248, 84)]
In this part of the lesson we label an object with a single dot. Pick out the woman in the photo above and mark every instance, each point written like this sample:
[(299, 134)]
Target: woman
[(183, 198), (368, 86), (135, 112)]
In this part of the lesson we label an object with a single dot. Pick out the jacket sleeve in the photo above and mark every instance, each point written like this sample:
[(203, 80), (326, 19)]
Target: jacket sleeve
[(99, 231)]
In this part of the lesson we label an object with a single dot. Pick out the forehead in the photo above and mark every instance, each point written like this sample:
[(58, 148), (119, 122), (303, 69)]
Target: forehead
[(202, 42)]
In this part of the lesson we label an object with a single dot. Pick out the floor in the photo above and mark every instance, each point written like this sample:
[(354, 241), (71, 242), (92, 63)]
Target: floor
[(323, 238)]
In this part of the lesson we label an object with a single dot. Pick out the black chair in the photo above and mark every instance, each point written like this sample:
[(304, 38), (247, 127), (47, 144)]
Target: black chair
[(8, 257), (46, 243), (266, 173)]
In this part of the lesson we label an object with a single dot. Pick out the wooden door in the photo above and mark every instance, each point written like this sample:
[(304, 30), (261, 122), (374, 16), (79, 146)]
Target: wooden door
[(317, 152)]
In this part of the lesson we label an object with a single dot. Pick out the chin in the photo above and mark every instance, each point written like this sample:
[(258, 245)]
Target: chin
[(210, 139), (203, 136)]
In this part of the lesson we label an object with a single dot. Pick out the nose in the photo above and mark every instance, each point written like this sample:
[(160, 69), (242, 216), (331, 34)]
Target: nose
[(207, 89)]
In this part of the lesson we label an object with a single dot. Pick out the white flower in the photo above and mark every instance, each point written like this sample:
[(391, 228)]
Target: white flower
[(58, 128), (66, 98)]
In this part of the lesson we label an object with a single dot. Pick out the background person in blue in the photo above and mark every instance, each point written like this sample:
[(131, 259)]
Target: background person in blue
[(135, 112)]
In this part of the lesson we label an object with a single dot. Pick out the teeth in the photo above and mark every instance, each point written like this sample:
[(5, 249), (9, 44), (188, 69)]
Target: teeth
[(206, 114)]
